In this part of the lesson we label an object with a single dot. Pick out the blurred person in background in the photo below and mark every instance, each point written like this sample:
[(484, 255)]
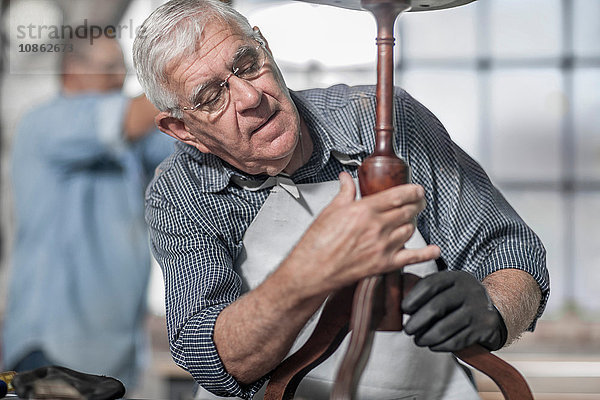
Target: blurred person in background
[(81, 261)]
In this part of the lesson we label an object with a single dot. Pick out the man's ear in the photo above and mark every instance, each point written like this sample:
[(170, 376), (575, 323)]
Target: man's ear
[(257, 30), (177, 129)]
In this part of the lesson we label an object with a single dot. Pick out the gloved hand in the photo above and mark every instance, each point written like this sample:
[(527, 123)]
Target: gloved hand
[(451, 310)]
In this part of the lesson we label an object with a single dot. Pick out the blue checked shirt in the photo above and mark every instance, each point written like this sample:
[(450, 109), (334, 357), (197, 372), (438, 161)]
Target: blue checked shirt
[(198, 216)]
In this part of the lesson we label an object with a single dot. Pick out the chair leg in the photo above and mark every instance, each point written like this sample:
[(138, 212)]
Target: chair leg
[(325, 339), (363, 316), (367, 311), (511, 383)]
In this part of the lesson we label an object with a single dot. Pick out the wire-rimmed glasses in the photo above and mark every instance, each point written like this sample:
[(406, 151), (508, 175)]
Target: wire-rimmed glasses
[(213, 97)]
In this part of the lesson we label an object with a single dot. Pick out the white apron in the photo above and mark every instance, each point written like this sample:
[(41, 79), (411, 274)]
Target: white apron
[(397, 368)]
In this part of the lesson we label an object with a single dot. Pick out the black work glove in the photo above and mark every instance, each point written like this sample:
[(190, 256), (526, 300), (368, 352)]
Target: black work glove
[(451, 310)]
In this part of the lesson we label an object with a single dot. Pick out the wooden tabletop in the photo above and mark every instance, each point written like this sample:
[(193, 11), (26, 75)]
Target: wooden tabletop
[(416, 5)]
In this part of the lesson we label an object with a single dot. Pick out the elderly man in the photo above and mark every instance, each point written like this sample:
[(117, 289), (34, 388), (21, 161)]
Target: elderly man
[(253, 234)]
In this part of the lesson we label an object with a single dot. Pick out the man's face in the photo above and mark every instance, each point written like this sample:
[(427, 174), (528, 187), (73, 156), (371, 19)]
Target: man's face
[(258, 130)]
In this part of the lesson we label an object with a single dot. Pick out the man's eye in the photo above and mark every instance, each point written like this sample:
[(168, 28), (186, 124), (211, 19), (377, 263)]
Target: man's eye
[(248, 65), (249, 69), (209, 98)]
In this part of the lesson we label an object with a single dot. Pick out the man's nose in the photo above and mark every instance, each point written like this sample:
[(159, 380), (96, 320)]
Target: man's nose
[(244, 94)]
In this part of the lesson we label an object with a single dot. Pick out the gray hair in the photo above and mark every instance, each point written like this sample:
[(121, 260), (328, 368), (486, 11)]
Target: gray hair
[(172, 31)]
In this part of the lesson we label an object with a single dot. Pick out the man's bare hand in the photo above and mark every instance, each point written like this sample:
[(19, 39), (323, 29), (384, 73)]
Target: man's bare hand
[(352, 239)]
